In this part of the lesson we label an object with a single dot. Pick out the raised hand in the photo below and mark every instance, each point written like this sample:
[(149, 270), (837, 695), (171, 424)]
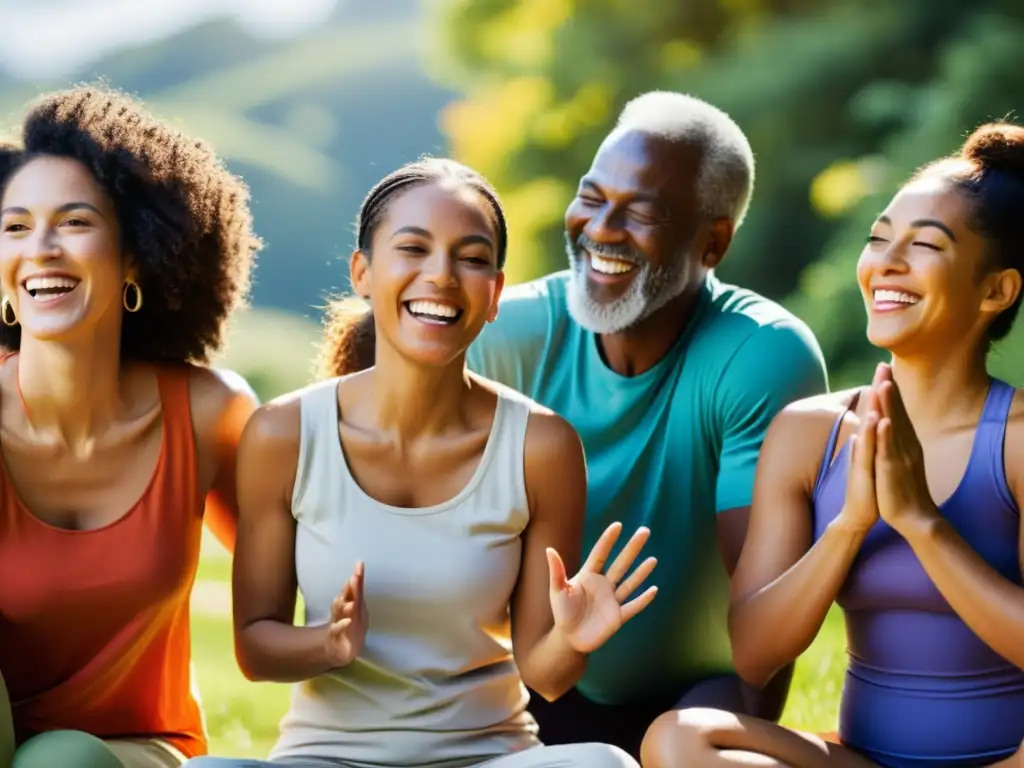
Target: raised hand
[(349, 620), (900, 481), (590, 607)]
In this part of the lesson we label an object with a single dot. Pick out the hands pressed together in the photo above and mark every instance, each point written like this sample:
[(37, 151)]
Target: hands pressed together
[(887, 476)]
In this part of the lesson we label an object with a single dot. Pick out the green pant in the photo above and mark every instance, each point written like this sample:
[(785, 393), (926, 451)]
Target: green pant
[(68, 749)]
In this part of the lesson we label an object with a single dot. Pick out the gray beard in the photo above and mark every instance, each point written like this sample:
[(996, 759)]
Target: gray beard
[(650, 290)]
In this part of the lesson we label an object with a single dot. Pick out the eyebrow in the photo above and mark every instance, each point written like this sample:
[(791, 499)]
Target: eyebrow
[(62, 209), (467, 240), (917, 223)]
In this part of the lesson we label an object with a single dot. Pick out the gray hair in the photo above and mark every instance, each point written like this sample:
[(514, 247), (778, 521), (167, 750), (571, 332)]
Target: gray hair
[(726, 179)]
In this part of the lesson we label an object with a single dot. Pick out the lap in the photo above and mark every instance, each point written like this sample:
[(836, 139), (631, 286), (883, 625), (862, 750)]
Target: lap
[(76, 749), (567, 756), (592, 755), (694, 733), (575, 719), (145, 753)]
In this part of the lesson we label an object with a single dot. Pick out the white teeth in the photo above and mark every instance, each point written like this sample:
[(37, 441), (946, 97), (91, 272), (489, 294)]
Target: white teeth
[(432, 308), (49, 283), (610, 266), (884, 295)]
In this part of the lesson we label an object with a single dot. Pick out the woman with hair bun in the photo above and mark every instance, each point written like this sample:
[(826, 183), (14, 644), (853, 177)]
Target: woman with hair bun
[(124, 248), (899, 501)]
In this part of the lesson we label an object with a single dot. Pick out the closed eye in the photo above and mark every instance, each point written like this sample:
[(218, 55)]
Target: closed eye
[(412, 248), (876, 239), (931, 246)]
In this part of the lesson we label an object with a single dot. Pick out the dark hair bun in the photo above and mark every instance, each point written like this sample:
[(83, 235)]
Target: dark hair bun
[(997, 147)]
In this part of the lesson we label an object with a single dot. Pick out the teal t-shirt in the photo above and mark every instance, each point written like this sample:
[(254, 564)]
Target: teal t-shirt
[(667, 449)]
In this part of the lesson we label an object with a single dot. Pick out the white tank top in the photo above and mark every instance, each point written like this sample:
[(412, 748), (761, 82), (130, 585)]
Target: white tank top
[(436, 682)]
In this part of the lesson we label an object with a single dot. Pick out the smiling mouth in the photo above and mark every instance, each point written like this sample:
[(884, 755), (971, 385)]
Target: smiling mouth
[(887, 300), (433, 312), (45, 289), (609, 266)]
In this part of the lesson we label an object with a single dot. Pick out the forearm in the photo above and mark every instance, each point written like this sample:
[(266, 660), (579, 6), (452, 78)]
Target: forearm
[(771, 627), (991, 605), (552, 666), (272, 651)]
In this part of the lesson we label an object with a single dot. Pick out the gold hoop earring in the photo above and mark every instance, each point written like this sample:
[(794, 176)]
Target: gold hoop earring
[(135, 305), (7, 313)]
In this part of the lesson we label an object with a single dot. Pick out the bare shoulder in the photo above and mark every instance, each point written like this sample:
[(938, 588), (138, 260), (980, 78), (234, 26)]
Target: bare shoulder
[(548, 436), (799, 433), (213, 393), (1013, 446)]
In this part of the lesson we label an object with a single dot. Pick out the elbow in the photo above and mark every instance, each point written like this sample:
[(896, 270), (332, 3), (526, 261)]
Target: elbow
[(549, 690), (249, 663), (748, 656), (750, 671)]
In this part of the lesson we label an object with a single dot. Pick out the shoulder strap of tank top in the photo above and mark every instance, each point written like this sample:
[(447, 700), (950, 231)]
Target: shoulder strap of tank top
[(321, 466), (833, 439), (509, 436), (991, 434), (174, 381)]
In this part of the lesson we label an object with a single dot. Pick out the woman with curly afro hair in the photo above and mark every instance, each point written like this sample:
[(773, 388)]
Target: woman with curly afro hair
[(124, 248)]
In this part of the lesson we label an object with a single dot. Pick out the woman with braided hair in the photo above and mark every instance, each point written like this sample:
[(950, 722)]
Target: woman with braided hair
[(124, 248), (430, 518)]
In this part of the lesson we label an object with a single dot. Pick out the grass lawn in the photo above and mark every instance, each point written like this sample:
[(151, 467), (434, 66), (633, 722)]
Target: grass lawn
[(242, 717)]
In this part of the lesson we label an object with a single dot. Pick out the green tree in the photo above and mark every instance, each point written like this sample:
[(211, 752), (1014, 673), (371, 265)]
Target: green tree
[(840, 99)]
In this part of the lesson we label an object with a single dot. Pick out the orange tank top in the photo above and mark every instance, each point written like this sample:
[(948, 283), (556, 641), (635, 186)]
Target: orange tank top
[(94, 625)]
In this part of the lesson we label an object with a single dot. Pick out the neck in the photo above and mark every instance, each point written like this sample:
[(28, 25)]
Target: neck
[(940, 388), (412, 400), (72, 390), (638, 349)]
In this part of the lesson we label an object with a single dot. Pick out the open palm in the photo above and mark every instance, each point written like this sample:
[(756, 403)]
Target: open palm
[(591, 606)]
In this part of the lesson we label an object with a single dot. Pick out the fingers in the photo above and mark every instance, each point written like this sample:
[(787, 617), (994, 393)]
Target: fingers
[(633, 607), (337, 628), (351, 593), (868, 438), (638, 577), (884, 440), (599, 554), (629, 553), (556, 568)]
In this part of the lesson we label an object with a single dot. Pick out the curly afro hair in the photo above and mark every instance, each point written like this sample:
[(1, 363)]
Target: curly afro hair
[(184, 217)]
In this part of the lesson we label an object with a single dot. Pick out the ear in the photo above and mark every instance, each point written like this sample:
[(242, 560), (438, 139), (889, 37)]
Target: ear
[(359, 273), (720, 234), (1003, 289), (492, 313)]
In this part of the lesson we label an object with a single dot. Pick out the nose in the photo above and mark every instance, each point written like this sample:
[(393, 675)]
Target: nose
[(439, 270), (44, 245), (892, 260), (605, 225)]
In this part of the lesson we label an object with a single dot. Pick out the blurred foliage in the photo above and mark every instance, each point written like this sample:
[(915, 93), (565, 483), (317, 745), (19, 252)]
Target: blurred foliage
[(311, 122), (273, 350), (841, 100)]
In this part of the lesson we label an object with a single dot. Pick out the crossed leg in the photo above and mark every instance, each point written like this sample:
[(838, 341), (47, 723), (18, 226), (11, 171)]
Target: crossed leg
[(710, 738)]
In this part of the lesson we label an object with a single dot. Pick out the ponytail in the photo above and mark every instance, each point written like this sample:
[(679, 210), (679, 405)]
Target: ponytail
[(349, 342)]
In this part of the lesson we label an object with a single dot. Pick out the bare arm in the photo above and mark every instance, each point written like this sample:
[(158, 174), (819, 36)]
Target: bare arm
[(222, 403), (784, 587), (268, 645), (989, 603), (556, 483)]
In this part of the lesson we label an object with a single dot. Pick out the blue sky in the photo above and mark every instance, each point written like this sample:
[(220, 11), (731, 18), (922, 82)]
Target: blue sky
[(52, 38)]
